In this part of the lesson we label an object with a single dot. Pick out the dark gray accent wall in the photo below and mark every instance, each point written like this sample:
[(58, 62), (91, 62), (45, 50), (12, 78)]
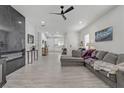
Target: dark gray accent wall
[(12, 26), (12, 36)]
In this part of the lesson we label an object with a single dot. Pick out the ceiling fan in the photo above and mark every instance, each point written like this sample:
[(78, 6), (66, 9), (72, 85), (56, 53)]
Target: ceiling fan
[(62, 13)]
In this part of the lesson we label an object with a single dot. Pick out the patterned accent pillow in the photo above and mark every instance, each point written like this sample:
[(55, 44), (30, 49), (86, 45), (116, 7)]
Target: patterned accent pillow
[(93, 55), (87, 53)]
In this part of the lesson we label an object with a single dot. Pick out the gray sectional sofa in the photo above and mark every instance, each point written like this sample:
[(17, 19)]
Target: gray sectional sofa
[(103, 56), (104, 64)]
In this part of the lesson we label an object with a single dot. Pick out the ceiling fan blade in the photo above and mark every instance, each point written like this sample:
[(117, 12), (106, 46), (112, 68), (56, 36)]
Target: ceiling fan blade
[(56, 13), (64, 17), (69, 9)]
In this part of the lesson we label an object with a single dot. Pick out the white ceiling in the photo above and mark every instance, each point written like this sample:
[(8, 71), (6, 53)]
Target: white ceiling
[(54, 23)]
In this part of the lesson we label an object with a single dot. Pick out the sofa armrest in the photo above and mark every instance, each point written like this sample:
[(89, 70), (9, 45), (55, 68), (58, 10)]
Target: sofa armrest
[(120, 78)]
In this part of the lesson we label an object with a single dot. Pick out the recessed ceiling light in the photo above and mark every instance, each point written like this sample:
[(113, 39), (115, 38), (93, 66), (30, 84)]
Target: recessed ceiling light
[(42, 23), (20, 22), (80, 22)]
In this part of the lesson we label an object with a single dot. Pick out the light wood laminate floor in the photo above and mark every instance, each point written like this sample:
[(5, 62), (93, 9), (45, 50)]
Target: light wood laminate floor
[(48, 73)]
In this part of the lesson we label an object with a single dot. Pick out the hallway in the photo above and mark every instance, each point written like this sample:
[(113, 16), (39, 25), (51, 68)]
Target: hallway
[(48, 73)]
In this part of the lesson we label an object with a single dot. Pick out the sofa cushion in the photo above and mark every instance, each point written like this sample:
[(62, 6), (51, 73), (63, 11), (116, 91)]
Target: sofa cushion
[(76, 53), (71, 61), (120, 58), (110, 58), (100, 55), (90, 61)]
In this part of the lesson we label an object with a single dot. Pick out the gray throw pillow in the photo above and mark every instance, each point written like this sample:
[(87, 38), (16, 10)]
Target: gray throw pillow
[(100, 55), (76, 53), (110, 58)]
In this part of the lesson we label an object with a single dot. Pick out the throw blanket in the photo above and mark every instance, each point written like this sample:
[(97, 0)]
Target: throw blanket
[(108, 67), (121, 66)]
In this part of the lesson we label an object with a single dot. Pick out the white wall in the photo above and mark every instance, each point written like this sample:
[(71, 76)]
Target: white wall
[(30, 29), (114, 18), (52, 44), (71, 41)]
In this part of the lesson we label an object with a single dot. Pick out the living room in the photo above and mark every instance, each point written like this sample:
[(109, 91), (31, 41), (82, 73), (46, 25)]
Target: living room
[(58, 46)]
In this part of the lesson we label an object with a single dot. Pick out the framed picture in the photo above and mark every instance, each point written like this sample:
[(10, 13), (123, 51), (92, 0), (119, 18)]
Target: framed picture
[(30, 39), (104, 35)]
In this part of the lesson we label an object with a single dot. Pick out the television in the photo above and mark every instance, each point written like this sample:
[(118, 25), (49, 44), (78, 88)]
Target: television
[(104, 35)]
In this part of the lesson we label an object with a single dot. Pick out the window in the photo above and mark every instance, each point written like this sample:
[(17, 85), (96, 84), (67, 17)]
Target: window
[(86, 40), (59, 42)]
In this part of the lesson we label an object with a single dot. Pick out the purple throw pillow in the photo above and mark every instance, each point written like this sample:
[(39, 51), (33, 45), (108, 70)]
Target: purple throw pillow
[(84, 53), (93, 55)]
